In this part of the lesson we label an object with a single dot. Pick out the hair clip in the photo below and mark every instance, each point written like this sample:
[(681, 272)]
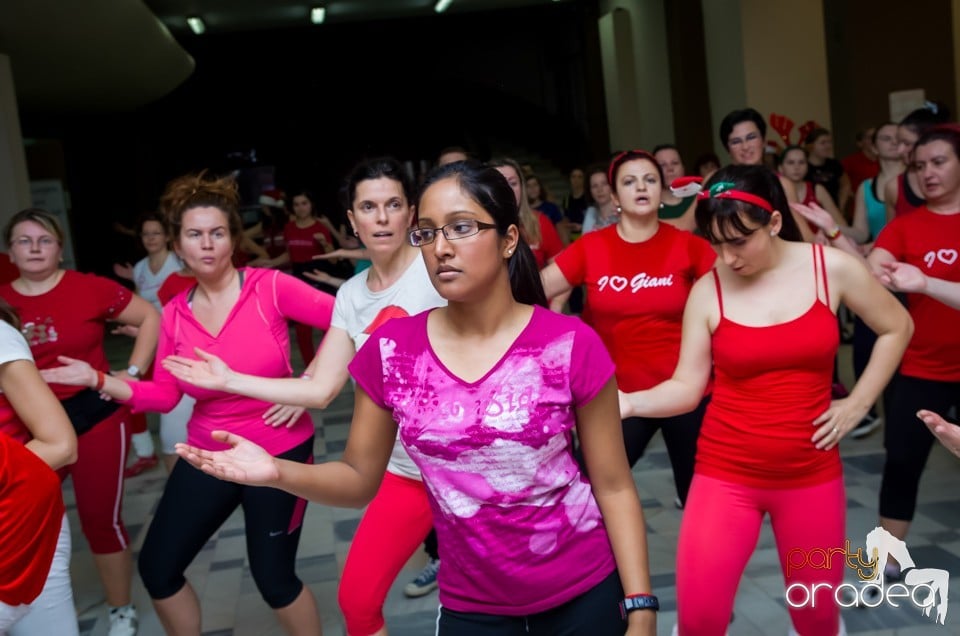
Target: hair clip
[(684, 187), (931, 106)]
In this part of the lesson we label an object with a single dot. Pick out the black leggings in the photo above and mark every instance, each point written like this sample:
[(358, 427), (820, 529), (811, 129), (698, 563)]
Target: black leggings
[(908, 441), (194, 505), (596, 612), (680, 434)]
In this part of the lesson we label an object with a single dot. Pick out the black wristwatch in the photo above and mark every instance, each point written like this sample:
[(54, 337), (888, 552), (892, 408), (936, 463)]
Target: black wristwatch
[(639, 602)]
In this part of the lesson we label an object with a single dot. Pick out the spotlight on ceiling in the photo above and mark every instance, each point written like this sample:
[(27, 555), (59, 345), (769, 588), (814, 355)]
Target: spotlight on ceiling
[(317, 15), (442, 5), (196, 24)]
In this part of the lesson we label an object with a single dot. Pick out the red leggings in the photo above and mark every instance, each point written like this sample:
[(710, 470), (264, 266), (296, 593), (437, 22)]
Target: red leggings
[(98, 482), (393, 526), (719, 532)]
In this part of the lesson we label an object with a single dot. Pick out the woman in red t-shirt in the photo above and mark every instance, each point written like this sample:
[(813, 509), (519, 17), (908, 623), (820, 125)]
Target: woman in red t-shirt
[(304, 236), (765, 323), (929, 377), (65, 313), (638, 274)]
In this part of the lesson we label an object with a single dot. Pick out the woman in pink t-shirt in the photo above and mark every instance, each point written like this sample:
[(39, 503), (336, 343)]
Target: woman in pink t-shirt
[(487, 393), (241, 315)]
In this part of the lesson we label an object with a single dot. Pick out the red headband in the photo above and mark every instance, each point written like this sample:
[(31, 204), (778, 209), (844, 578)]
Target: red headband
[(684, 186), (628, 155)]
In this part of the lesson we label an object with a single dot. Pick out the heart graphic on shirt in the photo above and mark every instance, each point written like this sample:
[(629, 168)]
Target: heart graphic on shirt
[(947, 256), (618, 283), (385, 314)]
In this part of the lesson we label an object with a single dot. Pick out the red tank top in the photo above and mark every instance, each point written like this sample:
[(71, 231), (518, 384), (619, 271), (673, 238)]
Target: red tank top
[(770, 384)]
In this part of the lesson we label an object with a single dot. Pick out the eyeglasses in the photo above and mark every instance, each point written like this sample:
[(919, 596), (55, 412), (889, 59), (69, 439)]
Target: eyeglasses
[(736, 141), (451, 231), (25, 242)]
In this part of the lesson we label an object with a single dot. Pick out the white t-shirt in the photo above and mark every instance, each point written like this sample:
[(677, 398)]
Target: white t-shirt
[(359, 311), (13, 346), (148, 283)]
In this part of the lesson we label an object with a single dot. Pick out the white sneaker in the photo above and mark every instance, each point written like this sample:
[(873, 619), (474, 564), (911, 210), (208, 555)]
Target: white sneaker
[(123, 621)]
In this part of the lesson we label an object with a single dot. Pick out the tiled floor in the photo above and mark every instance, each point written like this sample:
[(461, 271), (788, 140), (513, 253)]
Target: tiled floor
[(232, 606)]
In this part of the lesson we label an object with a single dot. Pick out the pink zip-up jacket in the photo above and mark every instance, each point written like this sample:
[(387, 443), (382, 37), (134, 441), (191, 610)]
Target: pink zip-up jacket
[(254, 340)]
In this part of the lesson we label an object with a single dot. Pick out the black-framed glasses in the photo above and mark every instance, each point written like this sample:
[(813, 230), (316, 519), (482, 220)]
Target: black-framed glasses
[(463, 228)]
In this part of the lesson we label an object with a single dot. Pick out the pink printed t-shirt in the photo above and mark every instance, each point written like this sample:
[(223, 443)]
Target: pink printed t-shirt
[(518, 526)]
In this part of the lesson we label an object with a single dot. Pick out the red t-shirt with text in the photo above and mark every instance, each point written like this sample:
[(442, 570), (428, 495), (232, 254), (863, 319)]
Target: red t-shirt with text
[(301, 244), (931, 242), (636, 293)]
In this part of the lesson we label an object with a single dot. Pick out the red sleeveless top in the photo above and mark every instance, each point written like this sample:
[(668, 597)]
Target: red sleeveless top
[(770, 384)]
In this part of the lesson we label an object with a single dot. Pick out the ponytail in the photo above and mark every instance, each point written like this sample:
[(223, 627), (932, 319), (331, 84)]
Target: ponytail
[(525, 282)]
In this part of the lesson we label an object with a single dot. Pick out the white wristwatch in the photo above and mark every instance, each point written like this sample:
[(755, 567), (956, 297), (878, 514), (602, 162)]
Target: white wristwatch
[(133, 371)]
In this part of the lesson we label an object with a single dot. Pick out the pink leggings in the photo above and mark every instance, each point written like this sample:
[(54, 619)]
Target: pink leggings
[(394, 524), (718, 534)]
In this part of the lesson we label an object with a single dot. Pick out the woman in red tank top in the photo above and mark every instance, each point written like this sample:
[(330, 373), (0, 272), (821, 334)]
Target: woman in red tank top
[(765, 322)]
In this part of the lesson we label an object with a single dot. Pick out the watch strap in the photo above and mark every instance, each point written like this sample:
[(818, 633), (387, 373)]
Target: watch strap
[(638, 602)]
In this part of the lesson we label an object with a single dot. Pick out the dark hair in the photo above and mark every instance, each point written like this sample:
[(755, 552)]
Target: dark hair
[(9, 314), (151, 215), (815, 134), (949, 133), (738, 117), (783, 155), (631, 155), (544, 193), (717, 217), (197, 191), (44, 219), (660, 147), (704, 159), (490, 190), (452, 149), (377, 168), (876, 130), (922, 119), (308, 195)]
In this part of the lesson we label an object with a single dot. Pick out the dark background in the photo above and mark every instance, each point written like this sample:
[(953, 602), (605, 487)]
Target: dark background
[(312, 101)]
